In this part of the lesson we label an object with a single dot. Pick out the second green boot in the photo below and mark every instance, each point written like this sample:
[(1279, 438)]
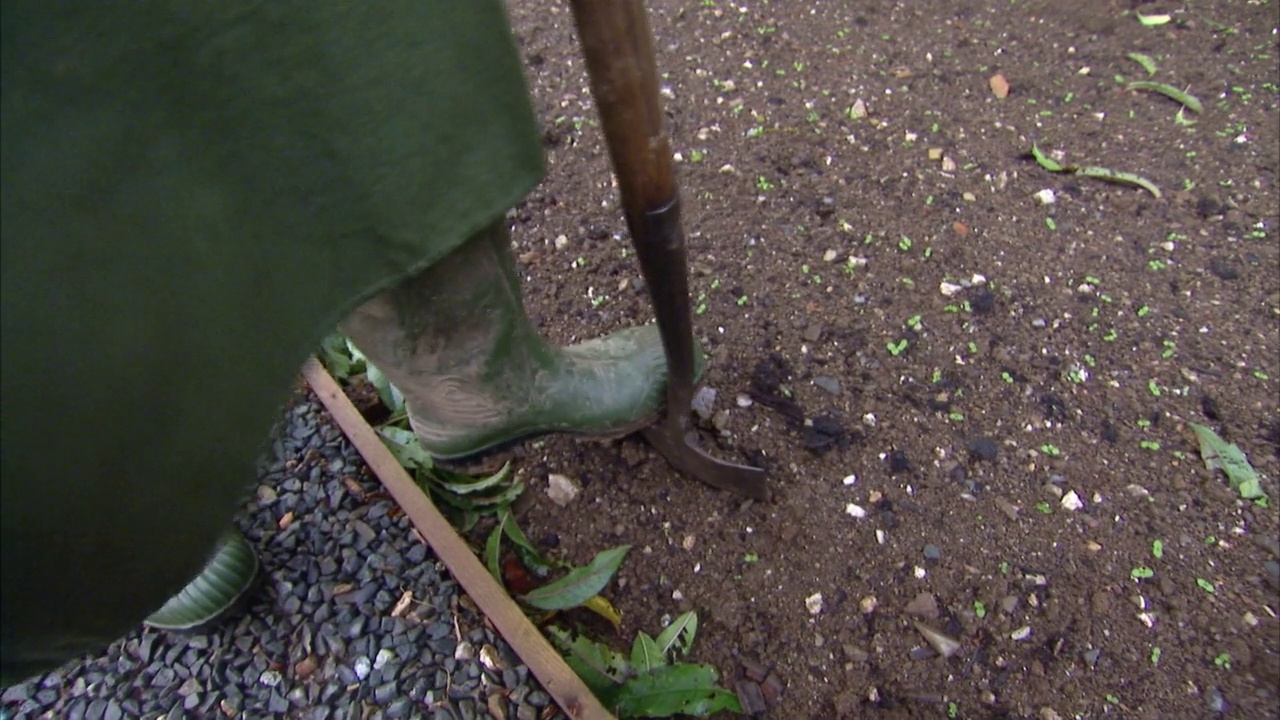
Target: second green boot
[(475, 373)]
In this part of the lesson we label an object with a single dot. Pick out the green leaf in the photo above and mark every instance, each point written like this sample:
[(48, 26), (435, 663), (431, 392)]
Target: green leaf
[(678, 635), (683, 689), (1155, 19), (599, 666), (465, 485), (223, 582), (487, 504), (1219, 454), (390, 395), (580, 584), (1045, 161), (1145, 61), (335, 356), (1191, 102), (1122, 178), (404, 445), (645, 654), (493, 547), (529, 555)]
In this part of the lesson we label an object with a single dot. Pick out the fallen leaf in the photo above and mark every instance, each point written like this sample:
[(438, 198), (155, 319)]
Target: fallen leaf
[(999, 86), (402, 605), (285, 520)]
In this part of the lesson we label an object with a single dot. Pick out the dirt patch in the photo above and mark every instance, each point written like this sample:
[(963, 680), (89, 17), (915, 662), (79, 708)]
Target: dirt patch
[(973, 403)]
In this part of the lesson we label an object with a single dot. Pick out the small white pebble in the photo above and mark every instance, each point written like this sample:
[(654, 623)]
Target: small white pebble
[(880, 537), (850, 479), (1147, 619), (868, 604), (829, 256), (1021, 633), (727, 169), (813, 603), (857, 511), (1046, 197), (948, 288), (561, 242), (1071, 501), (869, 420), (919, 572), (677, 595)]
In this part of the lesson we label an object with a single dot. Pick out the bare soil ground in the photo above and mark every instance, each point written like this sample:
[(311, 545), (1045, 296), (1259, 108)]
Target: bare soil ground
[(852, 183)]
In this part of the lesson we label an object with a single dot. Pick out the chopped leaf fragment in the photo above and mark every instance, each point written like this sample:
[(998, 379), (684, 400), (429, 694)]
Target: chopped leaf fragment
[(1191, 102), (1097, 173), (1219, 454), (1145, 61)]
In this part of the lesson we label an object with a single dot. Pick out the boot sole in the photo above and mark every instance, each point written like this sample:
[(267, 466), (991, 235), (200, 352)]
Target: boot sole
[(491, 459)]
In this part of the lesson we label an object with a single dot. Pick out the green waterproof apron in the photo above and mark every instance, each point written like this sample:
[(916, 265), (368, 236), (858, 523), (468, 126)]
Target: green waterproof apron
[(193, 194)]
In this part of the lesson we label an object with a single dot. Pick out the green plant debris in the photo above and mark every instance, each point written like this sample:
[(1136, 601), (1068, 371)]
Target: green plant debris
[(1206, 586), (979, 609), (1155, 655), (1219, 454), (1157, 549), (1145, 61), (1189, 101), (649, 683), (1097, 173), (1045, 508), (1223, 661), (580, 584), (1141, 573), (1154, 19)]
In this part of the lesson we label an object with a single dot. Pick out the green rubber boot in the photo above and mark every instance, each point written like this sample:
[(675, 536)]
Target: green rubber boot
[(477, 376)]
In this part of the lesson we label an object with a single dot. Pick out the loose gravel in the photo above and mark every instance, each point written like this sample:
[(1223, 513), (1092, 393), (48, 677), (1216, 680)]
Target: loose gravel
[(355, 618)]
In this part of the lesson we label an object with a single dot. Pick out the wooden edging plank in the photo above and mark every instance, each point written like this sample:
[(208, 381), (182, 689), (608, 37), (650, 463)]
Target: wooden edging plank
[(534, 649)]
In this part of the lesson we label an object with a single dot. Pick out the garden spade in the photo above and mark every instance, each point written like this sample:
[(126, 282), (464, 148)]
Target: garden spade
[(618, 48)]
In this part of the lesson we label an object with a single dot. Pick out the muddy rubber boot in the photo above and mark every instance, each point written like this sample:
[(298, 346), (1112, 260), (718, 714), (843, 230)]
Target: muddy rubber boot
[(476, 375)]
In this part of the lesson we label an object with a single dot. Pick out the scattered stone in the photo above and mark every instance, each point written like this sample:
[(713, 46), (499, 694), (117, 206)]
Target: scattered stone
[(744, 401), (561, 242), (830, 256), (1071, 501), (943, 644), (704, 402), (1009, 509), (1217, 703), (828, 383), (932, 553), (1046, 197), (898, 462), (813, 333), (868, 604), (751, 697), (925, 605), (857, 511), (1021, 633), (949, 288), (923, 652), (562, 489), (983, 448), (813, 603)]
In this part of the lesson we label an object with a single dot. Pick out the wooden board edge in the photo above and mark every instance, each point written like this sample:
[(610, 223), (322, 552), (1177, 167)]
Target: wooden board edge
[(559, 680)]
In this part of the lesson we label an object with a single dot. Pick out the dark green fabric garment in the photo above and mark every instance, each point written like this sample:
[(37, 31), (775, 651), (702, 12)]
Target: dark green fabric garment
[(193, 194)]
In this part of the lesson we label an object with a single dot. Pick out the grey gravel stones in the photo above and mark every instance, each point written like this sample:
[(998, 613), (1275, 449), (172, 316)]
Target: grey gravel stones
[(318, 640)]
